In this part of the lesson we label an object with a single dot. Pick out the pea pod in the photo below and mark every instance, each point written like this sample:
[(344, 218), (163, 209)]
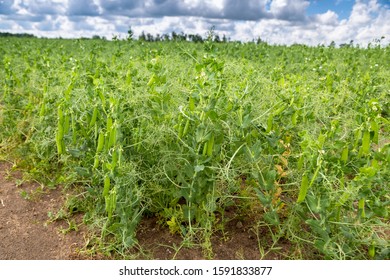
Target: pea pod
[(94, 117), (180, 131), (303, 189), (205, 148), (365, 148), (110, 203), (66, 124), (344, 155), (210, 145), (60, 114), (107, 185), (59, 142), (96, 162), (109, 124), (186, 127), (100, 142), (112, 139), (361, 207), (114, 159), (191, 104)]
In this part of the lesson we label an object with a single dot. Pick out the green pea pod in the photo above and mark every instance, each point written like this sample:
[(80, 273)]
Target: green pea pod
[(107, 185), (60, 114), (191, 104), (100, 142), (109, 124), (205, 149), (96, 162), (94, 117), (114, 159), (365, 148), (361, 207), (186, 127), (66, 124), (112, 139), (303, 189), (344, 155), (210, 145), (110, 203), (59, 143), (180, 131)]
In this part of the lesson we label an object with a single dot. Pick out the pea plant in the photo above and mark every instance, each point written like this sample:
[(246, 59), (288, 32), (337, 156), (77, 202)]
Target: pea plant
[(293, 139)]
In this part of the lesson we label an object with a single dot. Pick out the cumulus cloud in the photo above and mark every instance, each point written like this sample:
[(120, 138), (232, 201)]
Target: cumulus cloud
[(290, 10), (245, 10), (41, 7), (82, 8), (328, 18), (362, 12), (229, 9), (276, 21), (120, 6)]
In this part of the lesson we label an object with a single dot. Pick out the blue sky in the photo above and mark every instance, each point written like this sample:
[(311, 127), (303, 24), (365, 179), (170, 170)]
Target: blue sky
[(342, 7), (275, 21)]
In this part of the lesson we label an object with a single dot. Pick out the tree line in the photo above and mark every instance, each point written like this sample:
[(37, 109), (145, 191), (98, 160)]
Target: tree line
[(21, 35)]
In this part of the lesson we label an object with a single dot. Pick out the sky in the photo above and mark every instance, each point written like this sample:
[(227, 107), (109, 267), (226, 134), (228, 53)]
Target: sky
[(274, 21)]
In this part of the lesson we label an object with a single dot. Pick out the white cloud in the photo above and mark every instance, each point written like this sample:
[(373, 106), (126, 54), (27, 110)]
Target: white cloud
[(328, 18), (276, 21), (360, 14), (82, 8), (41, 7), (294, 10)]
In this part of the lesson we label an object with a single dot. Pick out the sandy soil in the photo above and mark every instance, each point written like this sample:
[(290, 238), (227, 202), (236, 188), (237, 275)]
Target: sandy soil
[(25, 230)]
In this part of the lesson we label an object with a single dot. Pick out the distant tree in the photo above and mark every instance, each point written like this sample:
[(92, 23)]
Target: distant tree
[(332, 44), (20, 35), (259, 40), (224, 38), (142, 37), (182, 36), (165, 37), (196, 38), (149, 37), (174, 36), (130, 34)]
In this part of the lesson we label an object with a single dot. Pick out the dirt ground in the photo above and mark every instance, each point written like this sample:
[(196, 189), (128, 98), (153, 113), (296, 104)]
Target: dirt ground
[(26, 232)]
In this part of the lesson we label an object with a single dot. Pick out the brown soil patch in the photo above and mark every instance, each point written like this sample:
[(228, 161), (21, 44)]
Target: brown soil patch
[(25, 233), (240, 239)]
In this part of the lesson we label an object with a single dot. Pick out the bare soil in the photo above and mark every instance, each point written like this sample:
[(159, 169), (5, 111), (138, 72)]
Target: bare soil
[(27, 232)]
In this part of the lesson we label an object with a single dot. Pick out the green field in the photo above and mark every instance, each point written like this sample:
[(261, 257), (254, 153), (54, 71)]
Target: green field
[(296, 137)]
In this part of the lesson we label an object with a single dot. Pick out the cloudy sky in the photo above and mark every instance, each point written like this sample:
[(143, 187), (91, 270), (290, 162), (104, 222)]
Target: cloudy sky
[(275, 21)]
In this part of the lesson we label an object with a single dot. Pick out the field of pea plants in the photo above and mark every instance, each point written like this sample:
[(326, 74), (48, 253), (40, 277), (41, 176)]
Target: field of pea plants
[(292, 143)]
